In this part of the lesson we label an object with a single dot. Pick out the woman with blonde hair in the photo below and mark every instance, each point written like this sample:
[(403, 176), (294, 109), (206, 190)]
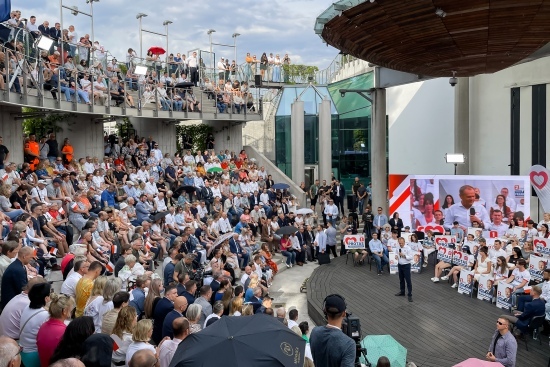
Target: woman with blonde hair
[(236, 306), (103, 303), (140, 339), (152, 297), (123, 332), (194, 315), (96, 298), (226, 299), (50, 333), (248, 310)]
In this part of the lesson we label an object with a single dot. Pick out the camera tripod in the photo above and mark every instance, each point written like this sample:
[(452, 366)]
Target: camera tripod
[(360, 351)]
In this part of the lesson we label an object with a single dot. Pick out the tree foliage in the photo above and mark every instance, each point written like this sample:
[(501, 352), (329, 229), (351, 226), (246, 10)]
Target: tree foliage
[(42, 125), (198, 134), (299, 74)]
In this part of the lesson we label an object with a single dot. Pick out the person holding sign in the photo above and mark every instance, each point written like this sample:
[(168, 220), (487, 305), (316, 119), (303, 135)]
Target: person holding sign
[(503, 346), (377, 249), (520, 278), (483, 264), (404, 267), (455, 271)]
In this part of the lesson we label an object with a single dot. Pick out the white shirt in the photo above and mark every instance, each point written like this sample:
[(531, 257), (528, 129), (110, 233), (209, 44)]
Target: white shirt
[(224, 225), (493, 254), (88, 166), (161, 205), (39, 196), (143, 175), (501, 228), (216, 192), (244, 278), (11, 315), (135, 346), (331, 209), (520, 276), (167, 351), (151, 188), (211, 316), (158, 153), (69, 285), (457, 212), (28, 334)]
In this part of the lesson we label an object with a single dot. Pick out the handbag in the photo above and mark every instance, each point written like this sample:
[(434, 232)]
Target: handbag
[(324, 258)]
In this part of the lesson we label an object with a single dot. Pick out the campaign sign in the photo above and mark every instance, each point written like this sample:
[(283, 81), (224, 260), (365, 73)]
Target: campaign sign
[(445, 254), (416, 265), (542, 245), (354, 242), (481, 233), (462, 258), (519, 232), (431, 227), (485, 287), (537, 264), (504, 295), (466, 282), (393, 257)]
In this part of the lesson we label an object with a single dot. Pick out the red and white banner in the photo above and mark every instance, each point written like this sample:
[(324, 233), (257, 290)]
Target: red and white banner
[(354, 242)]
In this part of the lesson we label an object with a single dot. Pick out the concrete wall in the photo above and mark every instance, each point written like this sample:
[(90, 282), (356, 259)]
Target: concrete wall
[(85, 135), (11, 131), (420, 120), (276, 173), (164, 133), (228, 135)]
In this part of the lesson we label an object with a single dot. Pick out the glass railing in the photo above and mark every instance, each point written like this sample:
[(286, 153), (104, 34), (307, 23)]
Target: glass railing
[(94, 81)]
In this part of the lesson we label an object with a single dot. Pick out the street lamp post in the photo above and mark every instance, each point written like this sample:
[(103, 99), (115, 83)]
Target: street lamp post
[(91, 2), (166, 23), (139, 16), (235, 35), (209, 32)]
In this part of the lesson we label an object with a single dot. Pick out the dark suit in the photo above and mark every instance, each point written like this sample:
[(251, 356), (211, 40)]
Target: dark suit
[(236, 249), (167, 324), (13, 281), (55, 33), (534, 308), (45, 31), (396, 223), (163, 307), (301, 255), (190, 298), (215, 285), (338, 195)]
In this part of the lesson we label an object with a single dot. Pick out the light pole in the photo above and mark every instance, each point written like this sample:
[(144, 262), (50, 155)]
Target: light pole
[(235, 35), (209, 33), (166, 23), (139, 16), (91, 2)]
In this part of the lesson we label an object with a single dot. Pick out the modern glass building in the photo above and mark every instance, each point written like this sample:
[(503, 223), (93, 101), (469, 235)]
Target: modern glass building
[(350, 129)]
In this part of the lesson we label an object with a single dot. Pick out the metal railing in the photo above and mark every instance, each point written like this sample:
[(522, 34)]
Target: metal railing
[(28, 69), (326, 76)]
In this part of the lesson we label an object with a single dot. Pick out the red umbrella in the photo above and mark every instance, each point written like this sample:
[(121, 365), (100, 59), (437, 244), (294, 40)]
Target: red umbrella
[(156, 50)]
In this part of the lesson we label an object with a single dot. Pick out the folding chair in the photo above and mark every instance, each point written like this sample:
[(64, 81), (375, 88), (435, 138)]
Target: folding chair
[(534, 327)]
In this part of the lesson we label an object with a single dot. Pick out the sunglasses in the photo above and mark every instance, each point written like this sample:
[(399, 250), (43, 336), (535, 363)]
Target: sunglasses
[(500, 323)]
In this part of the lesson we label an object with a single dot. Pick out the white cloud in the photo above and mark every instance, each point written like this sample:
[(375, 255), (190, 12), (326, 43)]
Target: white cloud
[(278, 26)]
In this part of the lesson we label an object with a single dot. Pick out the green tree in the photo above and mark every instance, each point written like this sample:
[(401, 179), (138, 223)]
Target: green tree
[(198, 134), (42, 123)]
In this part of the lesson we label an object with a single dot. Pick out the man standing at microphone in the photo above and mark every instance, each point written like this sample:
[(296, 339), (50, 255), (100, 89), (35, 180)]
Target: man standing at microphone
[(404, 267), (467, 211)]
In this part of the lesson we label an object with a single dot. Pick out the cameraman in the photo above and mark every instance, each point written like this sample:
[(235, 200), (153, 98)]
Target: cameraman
[(329, 345)]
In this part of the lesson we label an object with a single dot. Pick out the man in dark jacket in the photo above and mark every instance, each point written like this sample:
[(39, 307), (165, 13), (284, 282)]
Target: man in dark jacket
[(163, 307), (15, 276)]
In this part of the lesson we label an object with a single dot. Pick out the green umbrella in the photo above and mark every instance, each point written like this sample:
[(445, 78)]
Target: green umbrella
[(384, 345), (214, 170)]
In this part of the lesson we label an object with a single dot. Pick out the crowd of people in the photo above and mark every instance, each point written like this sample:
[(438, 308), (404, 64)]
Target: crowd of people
[(83, 71), (138, 236)]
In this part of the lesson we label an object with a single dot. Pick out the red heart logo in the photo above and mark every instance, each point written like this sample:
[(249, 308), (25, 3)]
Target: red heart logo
[(458, 254), (439, 229), (440, 240), (539, 179), (537, 241)]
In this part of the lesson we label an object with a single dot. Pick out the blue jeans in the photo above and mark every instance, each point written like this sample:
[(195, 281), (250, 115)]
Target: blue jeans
[(68, 93), (515, 296), (177, 105), (380, 261), (14, 213), (82, 95), (332, 220), (290, 257), (360, 204), (165, 104), (221, 107)]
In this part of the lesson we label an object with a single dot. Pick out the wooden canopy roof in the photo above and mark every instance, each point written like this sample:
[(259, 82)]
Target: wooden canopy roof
[(474, 36)]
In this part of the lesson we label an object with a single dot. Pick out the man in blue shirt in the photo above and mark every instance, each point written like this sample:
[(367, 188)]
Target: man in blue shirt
[(377, 249), (108, 197), (379, 220), (15, 275)]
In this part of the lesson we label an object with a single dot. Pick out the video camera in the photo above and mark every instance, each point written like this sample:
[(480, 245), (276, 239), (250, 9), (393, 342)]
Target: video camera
[(351, 326)]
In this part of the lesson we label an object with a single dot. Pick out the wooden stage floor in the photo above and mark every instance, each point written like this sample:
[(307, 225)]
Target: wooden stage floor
[(439, 329)]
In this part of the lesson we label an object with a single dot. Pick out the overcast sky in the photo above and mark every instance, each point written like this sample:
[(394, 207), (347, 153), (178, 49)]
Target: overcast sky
[(278, 26)]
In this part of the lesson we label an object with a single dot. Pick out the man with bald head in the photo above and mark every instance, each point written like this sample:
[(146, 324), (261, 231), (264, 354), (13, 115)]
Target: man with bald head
[(9, 352), (144, 358), (168, 347), (180, 306)]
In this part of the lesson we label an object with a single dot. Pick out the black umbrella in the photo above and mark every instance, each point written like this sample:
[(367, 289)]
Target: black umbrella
[(286, 230), (187, 188), (259, 341), (184, 85), (160, 215), (280, 186)]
